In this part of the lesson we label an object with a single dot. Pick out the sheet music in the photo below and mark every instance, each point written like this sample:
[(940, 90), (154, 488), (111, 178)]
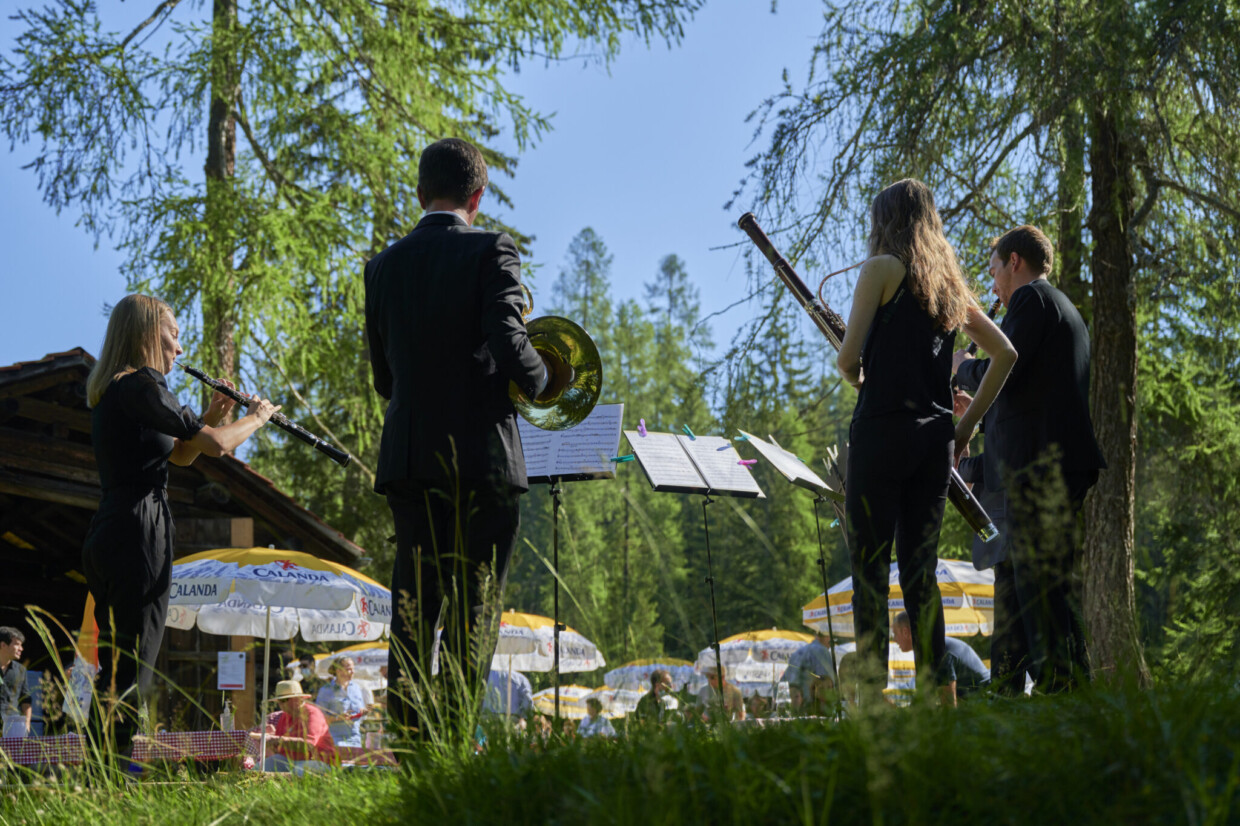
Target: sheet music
[(719, 464), (665, 462), (581, 451), (791, 467)]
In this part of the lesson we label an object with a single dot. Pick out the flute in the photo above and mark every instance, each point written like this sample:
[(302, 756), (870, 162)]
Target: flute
[(832, 326), (278, 419)]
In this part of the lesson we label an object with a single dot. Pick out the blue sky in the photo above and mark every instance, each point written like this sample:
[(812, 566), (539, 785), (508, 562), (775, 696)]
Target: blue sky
[(645, 151)]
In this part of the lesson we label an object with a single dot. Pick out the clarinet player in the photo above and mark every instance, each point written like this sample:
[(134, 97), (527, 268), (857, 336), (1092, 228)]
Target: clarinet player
[(138, 427)]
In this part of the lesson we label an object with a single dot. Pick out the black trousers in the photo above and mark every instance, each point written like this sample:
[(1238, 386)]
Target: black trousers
[(898, 472), (1043, 593), (447, 537), (127, 561)]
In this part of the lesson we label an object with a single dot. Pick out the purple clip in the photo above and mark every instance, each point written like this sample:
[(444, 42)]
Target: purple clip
[(747, 462), (641, 428)]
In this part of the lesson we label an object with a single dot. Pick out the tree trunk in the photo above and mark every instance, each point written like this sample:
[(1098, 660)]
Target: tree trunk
[(1109, 604), (219, 314), (1071, 200)]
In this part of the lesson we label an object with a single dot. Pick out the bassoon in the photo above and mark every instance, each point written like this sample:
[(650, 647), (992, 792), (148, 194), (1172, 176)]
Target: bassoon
[(832, 326), (278, 419)]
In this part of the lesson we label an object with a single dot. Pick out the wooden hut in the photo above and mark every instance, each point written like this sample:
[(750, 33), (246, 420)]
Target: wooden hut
[(49, 489)]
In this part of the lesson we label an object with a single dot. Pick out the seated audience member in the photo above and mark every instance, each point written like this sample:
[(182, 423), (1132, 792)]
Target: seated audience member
[(651, 707), (509, 693), (594, 724), (810, 662), (708, 697), (345, 703), (963, 672), (298, 738), (757, 707)]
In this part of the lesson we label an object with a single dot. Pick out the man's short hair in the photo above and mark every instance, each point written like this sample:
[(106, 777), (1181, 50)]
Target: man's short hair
[(10, 635), (1031, 244), (902, 620), (658, 676), (451, 170)]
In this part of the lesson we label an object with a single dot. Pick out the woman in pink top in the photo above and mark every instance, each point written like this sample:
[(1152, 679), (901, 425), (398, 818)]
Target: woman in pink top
[(298, 736)]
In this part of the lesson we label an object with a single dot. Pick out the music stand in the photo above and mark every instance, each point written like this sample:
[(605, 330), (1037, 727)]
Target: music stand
[(579, 454), (798, 473), (696, 464)]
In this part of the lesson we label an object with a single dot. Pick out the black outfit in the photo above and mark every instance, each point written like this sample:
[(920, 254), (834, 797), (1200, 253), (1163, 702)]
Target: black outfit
[(13, 693), (1045, 457), (900, 453), (443, 320), (127, 557), (1008, 643)]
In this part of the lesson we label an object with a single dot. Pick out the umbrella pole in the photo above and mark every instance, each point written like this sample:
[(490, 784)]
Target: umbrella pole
[(262, 710), (555, 605), (714, 616), (826, 597)]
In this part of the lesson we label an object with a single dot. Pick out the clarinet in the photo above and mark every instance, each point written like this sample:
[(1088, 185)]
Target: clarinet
[(832, 326), (972, 348), (278, 419)]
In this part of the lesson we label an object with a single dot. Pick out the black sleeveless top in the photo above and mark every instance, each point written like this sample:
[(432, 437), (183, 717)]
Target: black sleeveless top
[(907, 363)]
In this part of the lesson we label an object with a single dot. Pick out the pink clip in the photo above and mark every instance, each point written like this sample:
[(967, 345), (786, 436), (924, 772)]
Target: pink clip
[(641, 428), (747, 462)]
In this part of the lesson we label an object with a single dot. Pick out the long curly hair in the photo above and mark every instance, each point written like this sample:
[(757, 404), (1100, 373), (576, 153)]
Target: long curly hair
[(905, 223)]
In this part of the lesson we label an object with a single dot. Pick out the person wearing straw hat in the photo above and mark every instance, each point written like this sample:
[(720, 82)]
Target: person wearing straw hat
[(297, 734)]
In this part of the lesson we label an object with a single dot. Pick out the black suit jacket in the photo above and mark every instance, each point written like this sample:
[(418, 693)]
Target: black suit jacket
[(444, 327), (1045, 402)]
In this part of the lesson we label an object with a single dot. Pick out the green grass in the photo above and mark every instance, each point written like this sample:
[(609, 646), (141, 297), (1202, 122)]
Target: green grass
[(1117, 756)]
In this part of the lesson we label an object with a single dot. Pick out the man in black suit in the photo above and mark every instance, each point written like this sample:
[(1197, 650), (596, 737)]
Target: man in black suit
[(445, 333), (1042, 444)]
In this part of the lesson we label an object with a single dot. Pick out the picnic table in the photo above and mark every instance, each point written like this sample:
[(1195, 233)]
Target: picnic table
[(36, 751), (200, 746)]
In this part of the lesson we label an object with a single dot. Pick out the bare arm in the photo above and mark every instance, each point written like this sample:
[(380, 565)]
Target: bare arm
[(879, 278), (216, 441), (990, 338)]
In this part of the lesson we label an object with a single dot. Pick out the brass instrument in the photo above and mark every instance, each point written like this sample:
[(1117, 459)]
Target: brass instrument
[(576, 372)]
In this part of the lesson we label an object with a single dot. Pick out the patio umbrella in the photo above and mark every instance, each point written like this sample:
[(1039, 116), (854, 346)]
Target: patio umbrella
[(572, 701), (754, 661), (323, 600), (616, 702), (968, 600), (519, 631), (636, 674)]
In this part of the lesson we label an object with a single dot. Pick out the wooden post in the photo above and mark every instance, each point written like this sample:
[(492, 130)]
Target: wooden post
[(243, 701), (241, 535)]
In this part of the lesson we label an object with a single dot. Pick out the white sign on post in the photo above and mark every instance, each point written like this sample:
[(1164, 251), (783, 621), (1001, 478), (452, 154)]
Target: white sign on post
[(231, 670)]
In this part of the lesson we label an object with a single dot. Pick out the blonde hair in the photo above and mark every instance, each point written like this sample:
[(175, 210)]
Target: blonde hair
[(339, 664), (905, 223), (131, 343)]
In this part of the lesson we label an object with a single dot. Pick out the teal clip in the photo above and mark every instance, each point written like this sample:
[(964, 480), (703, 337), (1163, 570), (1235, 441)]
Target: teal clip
[(834, 523), (740, 438), (688, 432), (628, 457)]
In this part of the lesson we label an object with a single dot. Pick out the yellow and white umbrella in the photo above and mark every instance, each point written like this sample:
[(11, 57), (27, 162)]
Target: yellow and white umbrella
[(572, 701), (636, 674), (968, 600), (526, 644), (241, 590), (616, 702), (754, 661)]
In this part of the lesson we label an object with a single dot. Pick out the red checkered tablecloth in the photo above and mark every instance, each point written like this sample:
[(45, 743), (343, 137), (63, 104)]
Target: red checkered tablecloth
[(195, 745), (221, 745), (33, 751)]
